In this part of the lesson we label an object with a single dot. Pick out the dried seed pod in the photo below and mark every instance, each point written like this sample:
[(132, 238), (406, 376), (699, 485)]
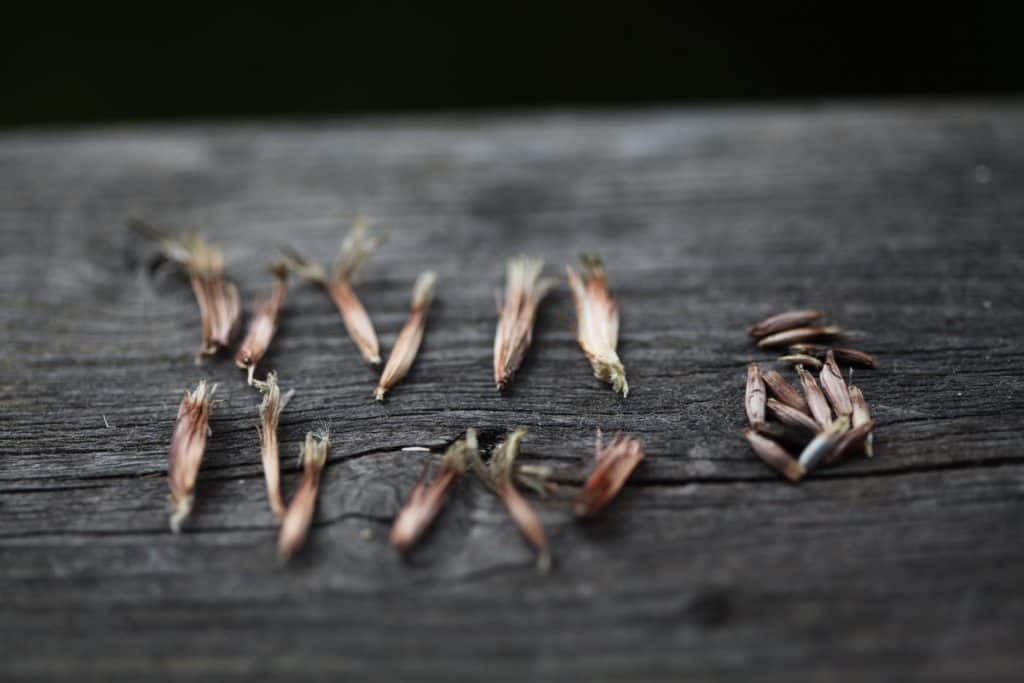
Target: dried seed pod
[(615, 462), (791, 417), (816, 401), (498, 475), (843, 354), (524, 290), (217, 297), (270, 412), (785, 392), (427, 498), (794, 359), (597, 322), (822, 445), (784, 321), (355, 251), (755, 395), (299, 515), (187, 447), (774, 455), (862, 416), (408, 342), (835, 388), (799, 334), (850, 442), (263, 325)]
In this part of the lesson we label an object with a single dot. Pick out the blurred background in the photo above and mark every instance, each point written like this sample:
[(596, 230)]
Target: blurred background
[(224, 60)]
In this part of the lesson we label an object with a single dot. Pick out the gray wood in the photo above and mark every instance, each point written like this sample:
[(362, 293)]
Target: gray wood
[(904, 222)]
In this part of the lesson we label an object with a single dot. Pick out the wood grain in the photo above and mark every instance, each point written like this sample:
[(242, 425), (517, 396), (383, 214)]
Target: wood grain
[(903, 222)]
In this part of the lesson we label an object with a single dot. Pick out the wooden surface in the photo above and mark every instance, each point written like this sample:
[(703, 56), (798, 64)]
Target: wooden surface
[(906, 223)]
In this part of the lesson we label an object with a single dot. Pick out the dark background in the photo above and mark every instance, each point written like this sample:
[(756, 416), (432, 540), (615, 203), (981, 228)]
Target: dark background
[(165, 61)]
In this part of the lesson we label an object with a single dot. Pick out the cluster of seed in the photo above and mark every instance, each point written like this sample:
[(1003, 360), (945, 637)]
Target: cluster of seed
[(822, 424)]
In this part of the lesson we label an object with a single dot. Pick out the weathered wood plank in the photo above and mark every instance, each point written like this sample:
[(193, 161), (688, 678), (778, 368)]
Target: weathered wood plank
[(904, 223)]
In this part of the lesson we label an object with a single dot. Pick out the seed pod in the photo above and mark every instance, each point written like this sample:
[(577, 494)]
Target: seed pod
[(615, 462), (427, 498), (785, 392), (792, 417), (524, 290), (270, 413), (843, 354), (820, 410), (784, 321), (755, 395), (408, 342), (862, 416), (299, 515), (774, 455), (851, 442), (263, 325), (823, 444), (187, 447), (834, 386), (800, 359), (799, 334), (597, 322)]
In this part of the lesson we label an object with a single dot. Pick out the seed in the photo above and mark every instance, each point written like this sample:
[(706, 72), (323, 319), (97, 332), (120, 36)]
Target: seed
[(850, 442), (862, 416), (299, 515), (408, 342), (797, 437), (263, 325), (816, 401), (843, 354), (784, 391), (187, 447), (524, 290), (270, 413), (792, 417), (615, 462), (755, 395), (774, 455), (801, 359), (835, 388), (784, 321), (799, 334), (597, 322), (821, 445)]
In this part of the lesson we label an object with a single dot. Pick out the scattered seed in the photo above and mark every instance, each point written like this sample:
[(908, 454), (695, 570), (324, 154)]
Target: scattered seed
[(785, 392), (862, 416), (784, 321), (408, 342), (799, 334), (801, 359), (792, 417), (524, 290), (263, 325), (787, 435), (774, 455), (597, 322), (835, 388), (822, 444), (853, 440), (297, 518), (187, 447), (427, 498), (816, 401), (755, 396), (843, 354), (615, 462), (270, 412)]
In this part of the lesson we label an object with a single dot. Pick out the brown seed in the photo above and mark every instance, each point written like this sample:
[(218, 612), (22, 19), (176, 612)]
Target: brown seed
[(427, 498), (524, 290), (187, 447), (822, 445), (615, 462), (774, 455), (408, 342), (263, 325), (801, 359), (270, 414), (850, 442), (785, 392), (755, 395), (597, 322), (862, 416), (299, 515), (785, 434), (792, 417), (784, 321), (835, 388), (843, 354), (799, 334), (816, 401)]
